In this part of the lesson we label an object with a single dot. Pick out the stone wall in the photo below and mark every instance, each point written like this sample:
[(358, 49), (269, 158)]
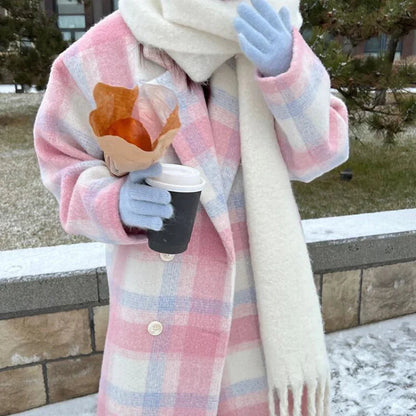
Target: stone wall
[(50, 357), (357, 297), (54, 301)]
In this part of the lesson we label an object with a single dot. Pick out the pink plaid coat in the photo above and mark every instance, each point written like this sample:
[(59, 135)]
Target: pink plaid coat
[(183, 336)]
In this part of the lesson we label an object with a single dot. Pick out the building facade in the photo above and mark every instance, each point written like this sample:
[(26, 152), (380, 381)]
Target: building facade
[(406, 50), (76, 17)]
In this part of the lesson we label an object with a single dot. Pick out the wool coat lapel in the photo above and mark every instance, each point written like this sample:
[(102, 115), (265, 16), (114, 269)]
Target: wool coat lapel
[(194, 145), (224, 118)]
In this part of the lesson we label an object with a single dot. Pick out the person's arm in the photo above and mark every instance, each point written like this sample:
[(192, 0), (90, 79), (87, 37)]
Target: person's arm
[(72, 166), (311, 124)]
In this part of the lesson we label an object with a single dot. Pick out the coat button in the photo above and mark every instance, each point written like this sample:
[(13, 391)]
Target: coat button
[(155, 328), (167, 257)]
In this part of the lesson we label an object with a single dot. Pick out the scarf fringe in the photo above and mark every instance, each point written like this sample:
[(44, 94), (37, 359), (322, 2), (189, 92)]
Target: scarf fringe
[(317, 399)]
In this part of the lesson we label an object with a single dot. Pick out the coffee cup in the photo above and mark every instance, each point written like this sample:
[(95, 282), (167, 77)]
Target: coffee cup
[(185, 186)]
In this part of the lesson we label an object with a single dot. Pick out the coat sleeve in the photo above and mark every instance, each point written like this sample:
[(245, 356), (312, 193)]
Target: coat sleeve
[(311, 124), (72, 166)]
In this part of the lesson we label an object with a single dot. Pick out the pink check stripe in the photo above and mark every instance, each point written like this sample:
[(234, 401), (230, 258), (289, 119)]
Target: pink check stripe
[(297, 99)]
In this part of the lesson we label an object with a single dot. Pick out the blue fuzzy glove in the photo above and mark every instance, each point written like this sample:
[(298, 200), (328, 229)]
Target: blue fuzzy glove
[(141, 205), (265, 36)]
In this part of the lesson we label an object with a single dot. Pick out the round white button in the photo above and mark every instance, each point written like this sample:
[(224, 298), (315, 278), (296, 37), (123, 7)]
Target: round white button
[(155, 328), (167, 257)]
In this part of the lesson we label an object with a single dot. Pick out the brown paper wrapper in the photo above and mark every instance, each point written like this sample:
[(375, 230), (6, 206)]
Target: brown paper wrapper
[(134, 127)]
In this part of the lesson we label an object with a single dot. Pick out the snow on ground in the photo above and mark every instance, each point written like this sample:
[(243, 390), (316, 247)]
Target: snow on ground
[(82, 406), (19, 105), (373, 373), (8, 88), (47, 260), (374, 369), (359, 225)]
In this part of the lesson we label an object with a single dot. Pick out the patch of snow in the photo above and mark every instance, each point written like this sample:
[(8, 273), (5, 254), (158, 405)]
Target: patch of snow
[(81, 406), (9, 88), (19, 104), (373, 370), (359, 225), (47, 260), (408, 89), (17, 153)]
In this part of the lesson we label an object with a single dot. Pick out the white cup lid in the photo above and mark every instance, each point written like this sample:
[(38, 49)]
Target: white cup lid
[(177, 178)]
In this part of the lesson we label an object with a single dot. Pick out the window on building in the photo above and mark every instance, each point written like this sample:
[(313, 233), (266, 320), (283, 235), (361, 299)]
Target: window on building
[(377, 45), (71, 19), (115, 4)]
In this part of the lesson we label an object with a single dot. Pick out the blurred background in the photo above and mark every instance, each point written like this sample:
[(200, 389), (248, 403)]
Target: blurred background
[(54, 295)]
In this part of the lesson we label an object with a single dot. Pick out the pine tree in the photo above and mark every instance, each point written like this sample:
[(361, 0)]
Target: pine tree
[(334, 28), (30, 40)]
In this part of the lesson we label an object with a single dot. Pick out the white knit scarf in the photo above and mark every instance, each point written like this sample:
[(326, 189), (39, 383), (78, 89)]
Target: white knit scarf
[(199, 36)]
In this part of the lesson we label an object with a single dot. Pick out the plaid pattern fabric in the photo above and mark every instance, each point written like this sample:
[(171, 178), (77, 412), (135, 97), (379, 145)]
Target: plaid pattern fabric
[(208, 360), (198, 363), (295, 99)]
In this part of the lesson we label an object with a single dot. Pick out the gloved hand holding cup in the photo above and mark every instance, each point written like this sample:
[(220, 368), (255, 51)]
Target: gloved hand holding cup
[(142, 206), (185, 185), (166, 207)]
